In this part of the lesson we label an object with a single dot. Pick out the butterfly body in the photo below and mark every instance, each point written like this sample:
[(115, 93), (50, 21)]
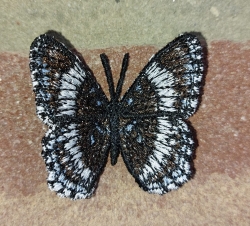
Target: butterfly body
[(147, 125), (114, 131)]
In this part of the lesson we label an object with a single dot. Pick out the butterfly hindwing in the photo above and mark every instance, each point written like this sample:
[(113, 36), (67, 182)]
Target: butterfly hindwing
[(71, 102), (157, 151), (75, 155), (156, 143)]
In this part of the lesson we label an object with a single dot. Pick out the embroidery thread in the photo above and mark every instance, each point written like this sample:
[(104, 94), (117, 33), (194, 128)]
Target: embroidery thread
[(147, 125)]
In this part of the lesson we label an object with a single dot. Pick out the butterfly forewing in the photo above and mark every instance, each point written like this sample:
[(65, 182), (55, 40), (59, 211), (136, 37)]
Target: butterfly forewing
[(170, 83), (156, 143), (63, 85), (73, 105)]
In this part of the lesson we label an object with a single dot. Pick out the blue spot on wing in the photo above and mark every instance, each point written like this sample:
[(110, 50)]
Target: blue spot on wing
[(130, 101), (92, 139), (129, 127), (45, 71)]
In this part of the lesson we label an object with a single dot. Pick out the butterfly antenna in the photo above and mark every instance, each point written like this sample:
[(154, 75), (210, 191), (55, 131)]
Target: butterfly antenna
[(107, 69), (122, 76)]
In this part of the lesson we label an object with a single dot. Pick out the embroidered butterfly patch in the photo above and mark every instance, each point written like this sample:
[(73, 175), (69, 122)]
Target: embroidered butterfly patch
[(147, 125)]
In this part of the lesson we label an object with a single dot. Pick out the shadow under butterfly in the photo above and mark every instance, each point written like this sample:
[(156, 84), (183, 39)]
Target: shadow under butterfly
[(147, 125)]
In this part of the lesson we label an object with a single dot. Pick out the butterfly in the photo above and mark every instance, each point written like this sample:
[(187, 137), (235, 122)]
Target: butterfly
[(147, 125)]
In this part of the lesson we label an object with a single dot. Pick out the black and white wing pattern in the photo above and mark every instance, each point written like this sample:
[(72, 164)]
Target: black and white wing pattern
[(147, 125), (156, 142), (70, 101)]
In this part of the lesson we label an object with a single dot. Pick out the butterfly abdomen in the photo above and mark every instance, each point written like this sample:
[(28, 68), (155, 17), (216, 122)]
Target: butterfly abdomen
[(114, 122)]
